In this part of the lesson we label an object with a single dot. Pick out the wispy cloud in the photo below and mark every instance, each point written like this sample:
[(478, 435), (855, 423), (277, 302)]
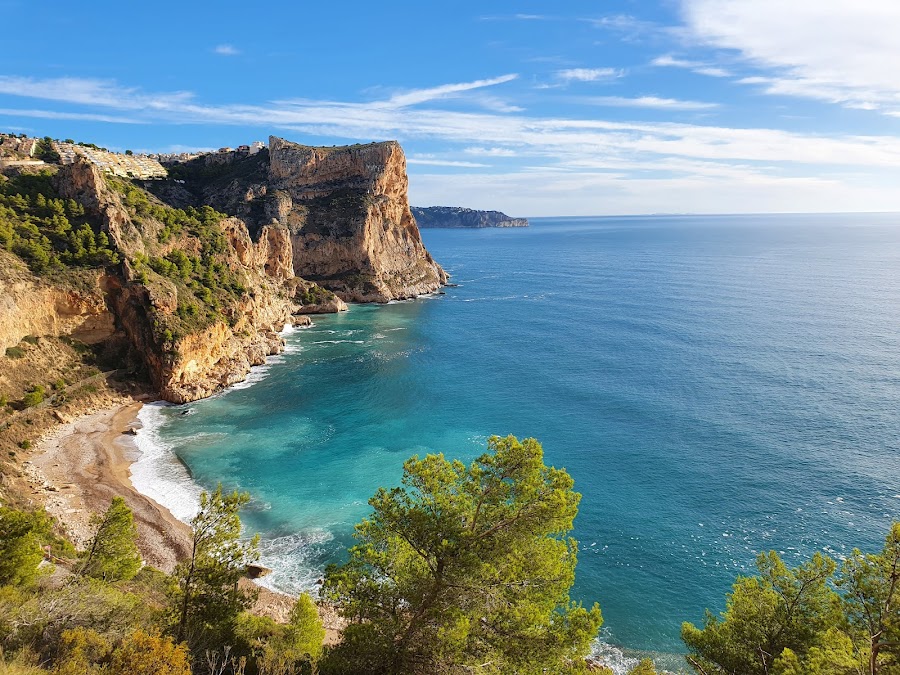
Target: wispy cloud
[(105, 93), (589, 74), (417, 96), (700, 67), (490, 152), (62, 115), (647, 102), (226, 50), (843, 52), (428, 161)]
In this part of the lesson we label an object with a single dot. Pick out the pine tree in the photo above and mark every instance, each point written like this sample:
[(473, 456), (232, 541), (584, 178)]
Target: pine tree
[(206, 599), (21, 536), (465, 567), (113, 554)]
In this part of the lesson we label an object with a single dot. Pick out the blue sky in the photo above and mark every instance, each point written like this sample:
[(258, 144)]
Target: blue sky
[(567, 108)]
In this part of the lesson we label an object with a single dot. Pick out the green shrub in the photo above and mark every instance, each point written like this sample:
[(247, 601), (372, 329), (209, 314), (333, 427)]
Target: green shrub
[(34, 397), (31, 339), (14, 352)]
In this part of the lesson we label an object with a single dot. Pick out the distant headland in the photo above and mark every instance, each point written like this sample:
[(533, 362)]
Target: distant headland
[(459, 217)]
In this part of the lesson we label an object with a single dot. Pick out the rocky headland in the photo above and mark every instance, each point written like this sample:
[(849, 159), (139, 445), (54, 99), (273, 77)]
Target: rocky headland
[(459, 217), (208, 265), (345, 210)]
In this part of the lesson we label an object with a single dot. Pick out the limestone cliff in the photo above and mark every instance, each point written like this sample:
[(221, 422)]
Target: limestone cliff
[(32, 306), (459, 217), (197, 298), (348, 212), (346, 209), (199, 272)]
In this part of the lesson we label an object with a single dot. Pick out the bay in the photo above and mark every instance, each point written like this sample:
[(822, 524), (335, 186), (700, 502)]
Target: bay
[(717, 386)]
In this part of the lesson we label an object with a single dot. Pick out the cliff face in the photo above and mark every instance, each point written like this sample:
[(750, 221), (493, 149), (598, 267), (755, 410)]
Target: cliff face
[(458, 217), (29, 306), (186, 361), (346, 209), (204, 272)]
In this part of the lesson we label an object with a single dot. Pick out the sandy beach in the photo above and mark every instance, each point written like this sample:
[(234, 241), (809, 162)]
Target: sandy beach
[(80, 466), (85, 463)]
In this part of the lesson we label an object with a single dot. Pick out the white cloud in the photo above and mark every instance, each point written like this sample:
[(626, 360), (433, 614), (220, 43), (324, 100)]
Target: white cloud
[(841, 51), (700, 67), (61, 115), (417, 96), (653, 102), (443, 162), (226, 50), (490, 152), (589, 74), (105, 93)]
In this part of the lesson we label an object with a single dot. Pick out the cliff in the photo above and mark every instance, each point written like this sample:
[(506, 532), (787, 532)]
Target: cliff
[(458, 217), (346, 209), (194, 276)]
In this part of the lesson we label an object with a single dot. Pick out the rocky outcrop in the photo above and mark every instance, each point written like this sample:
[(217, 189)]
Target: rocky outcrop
[(29, 306), (83, 182), (192, 363), (349, 217), (459, 217), (346, 209)]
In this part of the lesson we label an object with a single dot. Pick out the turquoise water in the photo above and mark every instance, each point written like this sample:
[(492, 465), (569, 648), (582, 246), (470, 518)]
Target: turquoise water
[(716, 386)]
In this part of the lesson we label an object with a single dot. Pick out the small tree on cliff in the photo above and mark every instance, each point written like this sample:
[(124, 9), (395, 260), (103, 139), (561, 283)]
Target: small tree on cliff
[(465, 567), (113, 554), (205, 596)]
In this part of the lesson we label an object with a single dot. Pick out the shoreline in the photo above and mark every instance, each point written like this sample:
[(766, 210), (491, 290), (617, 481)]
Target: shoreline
[(78, 468), (87, 462)]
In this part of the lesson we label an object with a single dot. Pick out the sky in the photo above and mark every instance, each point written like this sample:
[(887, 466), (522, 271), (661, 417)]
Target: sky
[(534, 108)]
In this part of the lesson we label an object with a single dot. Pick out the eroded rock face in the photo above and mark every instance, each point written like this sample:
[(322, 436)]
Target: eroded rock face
[(193, 365), (29, 306), (349, 218), (83, 182)]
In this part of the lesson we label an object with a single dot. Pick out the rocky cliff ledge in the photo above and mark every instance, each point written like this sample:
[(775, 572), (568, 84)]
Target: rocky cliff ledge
[(459, 217)]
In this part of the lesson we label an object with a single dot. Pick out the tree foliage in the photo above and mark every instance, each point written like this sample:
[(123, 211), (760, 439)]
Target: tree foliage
[(21, 537), (206, 599), (46, 231), (871, 585), (781, 608), (806, 621), (465, 566), (113, 554)]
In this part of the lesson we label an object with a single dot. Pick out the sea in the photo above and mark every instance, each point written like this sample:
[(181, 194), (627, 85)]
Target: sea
[(717, 386)]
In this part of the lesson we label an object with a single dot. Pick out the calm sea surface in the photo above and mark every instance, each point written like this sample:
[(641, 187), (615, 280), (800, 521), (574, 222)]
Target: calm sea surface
[(716, 386)]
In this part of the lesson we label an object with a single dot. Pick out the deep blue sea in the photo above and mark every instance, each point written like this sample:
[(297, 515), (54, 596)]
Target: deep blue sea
[(716, 386)]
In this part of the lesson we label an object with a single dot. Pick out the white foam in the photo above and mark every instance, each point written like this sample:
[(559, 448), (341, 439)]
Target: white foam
[(291, 559), (158, 473), (612, 657)]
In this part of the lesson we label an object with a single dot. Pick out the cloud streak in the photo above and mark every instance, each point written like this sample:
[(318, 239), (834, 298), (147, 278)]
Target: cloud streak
[(652, 102), (589, 74), (582, 155)]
